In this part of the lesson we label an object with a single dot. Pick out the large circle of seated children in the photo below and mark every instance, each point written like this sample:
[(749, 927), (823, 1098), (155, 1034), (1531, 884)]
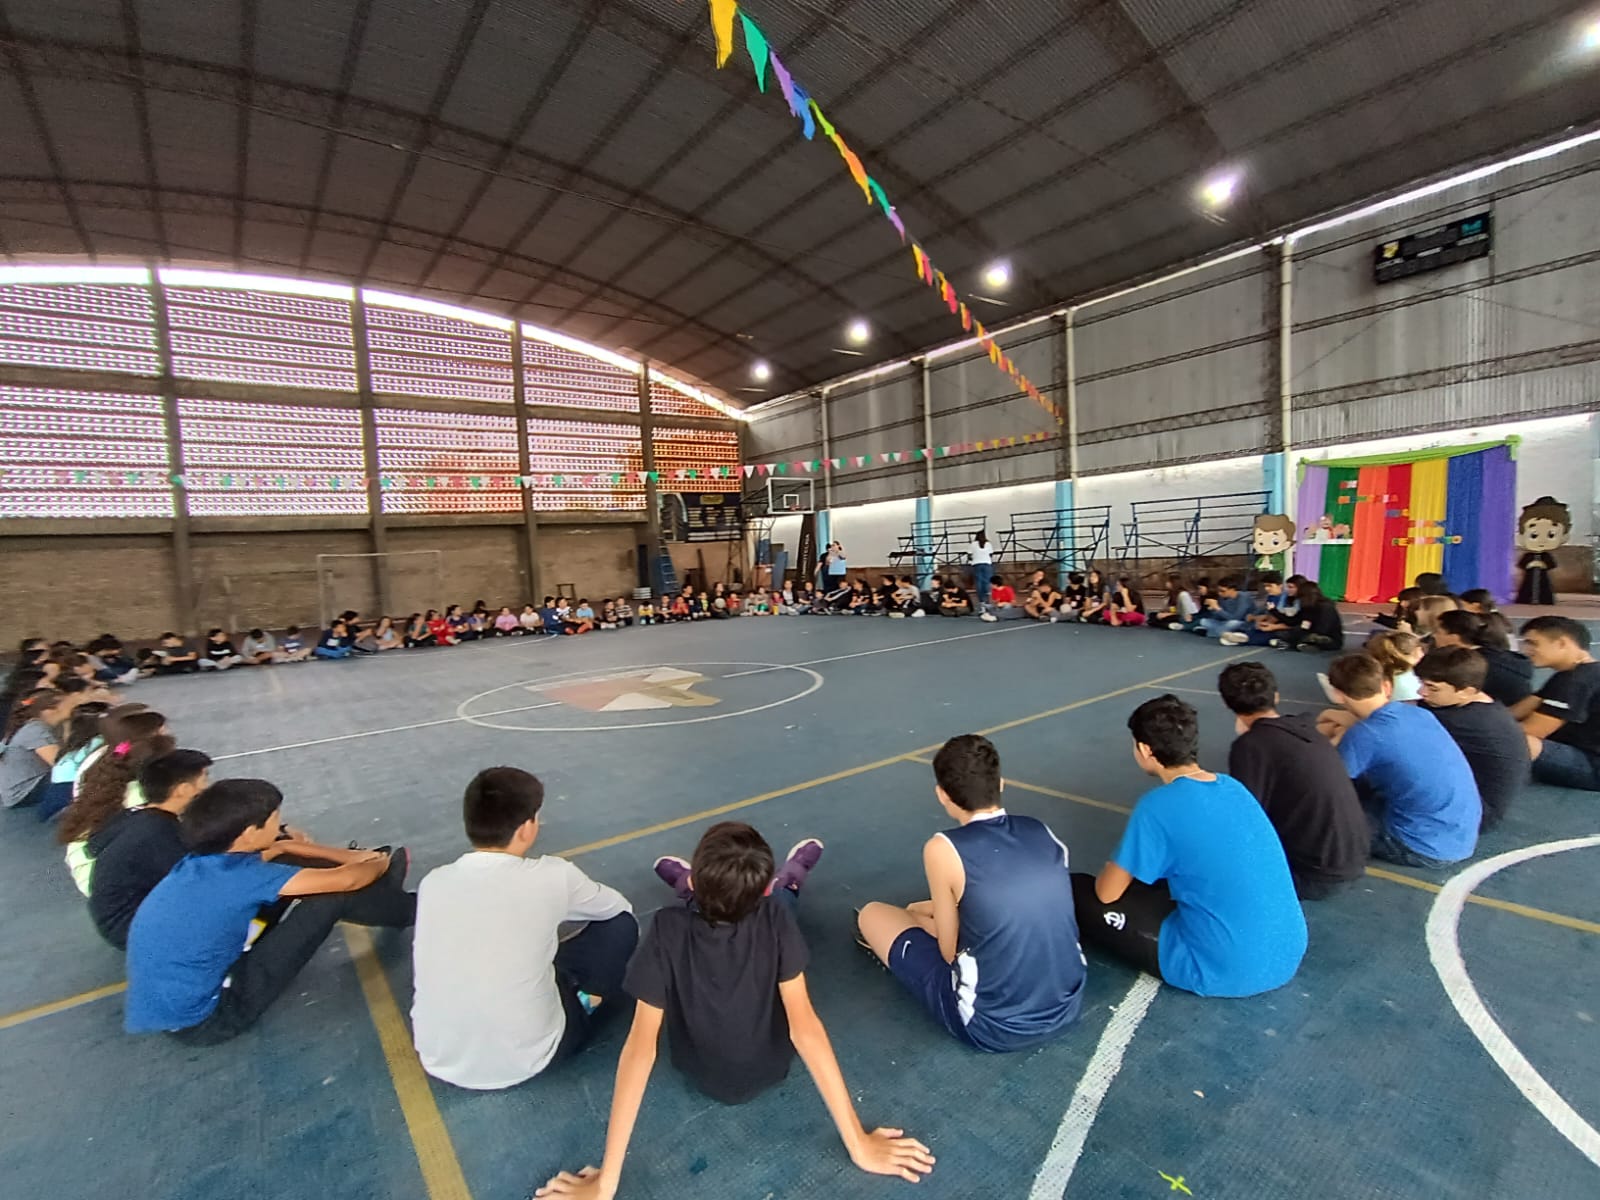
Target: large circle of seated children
[(1428, 740)]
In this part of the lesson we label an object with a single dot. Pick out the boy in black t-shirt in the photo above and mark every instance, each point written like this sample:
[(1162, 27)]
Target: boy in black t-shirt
[(135, 850), (726, 977), (1494, 746), (1562, 719), (1300, 780)]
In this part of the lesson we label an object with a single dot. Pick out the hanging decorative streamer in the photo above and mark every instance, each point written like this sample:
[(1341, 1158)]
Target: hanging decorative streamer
[(811, 118)]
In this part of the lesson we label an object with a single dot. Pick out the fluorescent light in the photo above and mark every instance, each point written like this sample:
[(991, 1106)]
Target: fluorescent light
[(998, 275), (1216, 191), (859, 332), (180, 277), (71, 273), (761, 372), (1589, 39)]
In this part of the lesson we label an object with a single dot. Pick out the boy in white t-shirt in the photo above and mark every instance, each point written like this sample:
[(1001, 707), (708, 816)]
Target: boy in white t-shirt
[(499, 996)]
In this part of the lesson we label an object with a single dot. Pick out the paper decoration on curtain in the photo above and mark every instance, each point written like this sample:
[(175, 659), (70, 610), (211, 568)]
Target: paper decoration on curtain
[(811, 118), (1369, 526)]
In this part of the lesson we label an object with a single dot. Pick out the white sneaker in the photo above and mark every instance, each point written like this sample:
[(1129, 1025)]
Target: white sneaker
[(1177, 627), (1233, 638), (897, 614), (917, 612), (988, 616), (1054, 618)]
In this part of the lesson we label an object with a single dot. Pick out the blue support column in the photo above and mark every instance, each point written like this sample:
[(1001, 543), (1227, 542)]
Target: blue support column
[(1064, 491), (1275, 481), (923, 527), (824, 537)]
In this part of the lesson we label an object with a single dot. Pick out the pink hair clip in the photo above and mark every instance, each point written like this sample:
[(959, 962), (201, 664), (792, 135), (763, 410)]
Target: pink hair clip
[(121, 749)]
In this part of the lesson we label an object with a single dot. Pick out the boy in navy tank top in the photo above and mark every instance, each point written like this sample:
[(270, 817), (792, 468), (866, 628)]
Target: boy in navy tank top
[(993, 954)]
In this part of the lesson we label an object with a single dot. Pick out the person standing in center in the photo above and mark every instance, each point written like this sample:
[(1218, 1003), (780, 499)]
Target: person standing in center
[(981, 553)]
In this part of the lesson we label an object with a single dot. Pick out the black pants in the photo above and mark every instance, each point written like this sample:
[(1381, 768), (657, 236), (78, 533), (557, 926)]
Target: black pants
[(1130, 929), (593, 962), (296, 930)]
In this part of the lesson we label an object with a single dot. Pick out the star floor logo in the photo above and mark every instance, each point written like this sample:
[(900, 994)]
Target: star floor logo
[(637, 691)]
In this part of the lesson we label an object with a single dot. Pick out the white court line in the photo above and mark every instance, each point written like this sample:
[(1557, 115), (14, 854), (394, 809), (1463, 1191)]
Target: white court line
[(1056, 1170), (366, 733), (1444, 948)]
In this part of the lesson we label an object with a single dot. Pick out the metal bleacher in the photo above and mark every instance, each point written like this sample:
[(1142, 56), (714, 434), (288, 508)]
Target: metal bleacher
[(1066, 539), (1189, 528), (934, 546)]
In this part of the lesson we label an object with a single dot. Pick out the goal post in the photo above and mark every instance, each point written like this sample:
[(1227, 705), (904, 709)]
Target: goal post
[(398, 582)]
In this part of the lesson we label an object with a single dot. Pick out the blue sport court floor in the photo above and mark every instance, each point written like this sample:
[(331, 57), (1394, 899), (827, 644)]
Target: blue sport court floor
[(1435, 1045)]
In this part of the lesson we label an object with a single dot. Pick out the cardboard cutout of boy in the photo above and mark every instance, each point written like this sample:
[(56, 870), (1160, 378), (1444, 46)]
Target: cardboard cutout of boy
[(1271, 540), (1542, 529)]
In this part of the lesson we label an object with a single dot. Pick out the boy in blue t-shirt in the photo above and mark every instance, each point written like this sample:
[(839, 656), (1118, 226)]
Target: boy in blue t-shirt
[(1413, 780), (993, 955), (190, 970), (1198, 892)]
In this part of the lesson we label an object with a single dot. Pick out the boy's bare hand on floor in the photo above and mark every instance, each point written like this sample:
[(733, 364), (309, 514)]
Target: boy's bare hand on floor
[(585, 1184), (890, 1152)]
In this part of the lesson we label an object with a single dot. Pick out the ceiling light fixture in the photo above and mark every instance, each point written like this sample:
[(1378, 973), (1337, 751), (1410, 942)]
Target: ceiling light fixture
[(1219, 189), (761, 372), (859, 332), (997, 276), (1589, 39)]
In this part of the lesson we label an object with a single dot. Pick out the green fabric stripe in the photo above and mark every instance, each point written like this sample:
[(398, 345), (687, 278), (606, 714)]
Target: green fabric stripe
[(1336, 559)]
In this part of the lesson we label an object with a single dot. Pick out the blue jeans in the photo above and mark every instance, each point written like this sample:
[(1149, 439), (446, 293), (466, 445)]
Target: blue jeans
[(1212, 626), (332, 652), (1565, 766), (982, 573)]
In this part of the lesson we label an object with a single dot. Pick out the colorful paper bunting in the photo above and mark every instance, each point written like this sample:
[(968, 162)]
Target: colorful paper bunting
[(722, 13), (755, 44)]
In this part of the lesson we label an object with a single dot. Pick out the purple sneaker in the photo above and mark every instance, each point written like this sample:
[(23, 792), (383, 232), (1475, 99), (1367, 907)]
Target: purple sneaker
[(674, 872), (802, 856)]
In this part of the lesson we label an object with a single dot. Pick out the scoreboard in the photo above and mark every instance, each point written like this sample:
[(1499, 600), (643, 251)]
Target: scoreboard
[(1458, 242), (713, 516)]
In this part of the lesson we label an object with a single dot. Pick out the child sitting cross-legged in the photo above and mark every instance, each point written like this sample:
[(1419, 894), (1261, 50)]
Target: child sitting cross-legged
[(186, 973), (993, 954), (725, 973), (1492, 742), (499, 996)]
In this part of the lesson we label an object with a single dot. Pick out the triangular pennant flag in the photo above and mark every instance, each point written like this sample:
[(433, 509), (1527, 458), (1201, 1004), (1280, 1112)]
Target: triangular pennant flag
[(857, 171), (977, 328), (916, 253), (879, 194), (899, 225), (822, 121), (722, 12), (802, 99), (994, 353), (781, 468), (884, 457), (749, 470), (785, 80), (837, 462), (755, 44), (966, 318)]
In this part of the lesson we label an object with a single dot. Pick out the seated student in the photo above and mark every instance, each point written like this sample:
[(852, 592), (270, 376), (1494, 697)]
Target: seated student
[(785, 601), (31, 745), (607, 618), (479, 622), (883, 595), (134, 850), (174, 656), (1562, 719), (1124, 604), (1411, 776), (1490, 738), (735, 603), (1043, 600), (700, 607), (506, 623), (383, 635), (1180, 609), (760, 604), (186, 974), (1429, 610), (726, 975), (718, 606), (219, 652), (1227, 610), (80, 741), (460, 625), (108, 782), (530, 621), (499, 997), (1297, 775), (444, 633), (1095, 597), (582, 619), (335, 641), (417, 632), (1316, 625), (550, 617), (1510, 675), (1003, 599), (680, 609), (111, 661), (258, 649), (993, 955), (294, 648), (1398, 653), (953, 600), (624, 613), (1405, 610), (1197, 892), (861, 603)]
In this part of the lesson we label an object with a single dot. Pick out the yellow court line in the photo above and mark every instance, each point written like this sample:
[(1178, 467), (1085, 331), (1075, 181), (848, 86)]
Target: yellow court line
[(436, 1154), (1521, 910), (25, 1015)]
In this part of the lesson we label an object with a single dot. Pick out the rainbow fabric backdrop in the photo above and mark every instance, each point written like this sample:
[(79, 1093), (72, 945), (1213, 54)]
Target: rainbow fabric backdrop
[(1368, 526)]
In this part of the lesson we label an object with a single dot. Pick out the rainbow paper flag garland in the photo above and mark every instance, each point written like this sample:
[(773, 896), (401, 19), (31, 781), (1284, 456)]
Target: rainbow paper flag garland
[(811, 118)]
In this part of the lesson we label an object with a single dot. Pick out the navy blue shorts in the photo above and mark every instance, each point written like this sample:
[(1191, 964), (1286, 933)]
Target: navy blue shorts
[(915, 960)]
